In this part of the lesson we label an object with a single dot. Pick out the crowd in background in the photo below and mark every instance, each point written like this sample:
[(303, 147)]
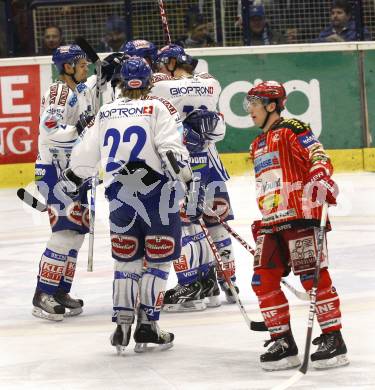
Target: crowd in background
[(199, 32)]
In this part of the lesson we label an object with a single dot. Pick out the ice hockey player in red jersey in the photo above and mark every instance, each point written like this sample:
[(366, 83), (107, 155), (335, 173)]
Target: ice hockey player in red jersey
[(293, 180)]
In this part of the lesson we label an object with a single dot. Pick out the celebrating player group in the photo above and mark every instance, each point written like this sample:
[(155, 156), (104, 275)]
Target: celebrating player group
[(153, 147)]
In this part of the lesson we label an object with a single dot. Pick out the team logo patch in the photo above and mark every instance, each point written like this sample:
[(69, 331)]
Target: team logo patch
[(74, 213), (70, 269), (180, 264), (159, 301), (53, 215), (302, 254), (86, 217), (124, 246), (50, 123), (135, 83), (51, 272), (159, 246)]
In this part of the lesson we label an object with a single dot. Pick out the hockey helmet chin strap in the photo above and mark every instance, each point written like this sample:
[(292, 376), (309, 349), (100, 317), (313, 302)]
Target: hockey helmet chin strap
[(268, 113)]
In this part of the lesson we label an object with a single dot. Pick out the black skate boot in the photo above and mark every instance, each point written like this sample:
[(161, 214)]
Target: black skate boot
[(282, 355), (74, 306), (331, 351), (184, 298), (120, 337), (149, 332), (46, 307), (211, 290), (228, 293)]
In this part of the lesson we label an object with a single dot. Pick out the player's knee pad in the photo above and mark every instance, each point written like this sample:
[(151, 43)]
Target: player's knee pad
[(153, 283), (266, 281), (223, 244), (324, 280), (125, 288)]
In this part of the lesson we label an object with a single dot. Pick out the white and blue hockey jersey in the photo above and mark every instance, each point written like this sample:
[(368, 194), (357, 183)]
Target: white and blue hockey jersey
[(60, 111), (200, 90), (129, 131)]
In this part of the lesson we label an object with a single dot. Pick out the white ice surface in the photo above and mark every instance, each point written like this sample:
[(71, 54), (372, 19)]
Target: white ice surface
[(213, 349)]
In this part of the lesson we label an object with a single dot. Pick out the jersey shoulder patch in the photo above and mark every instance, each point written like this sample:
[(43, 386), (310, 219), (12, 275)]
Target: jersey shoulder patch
[(293, 124), (156, 77), (171, 108)]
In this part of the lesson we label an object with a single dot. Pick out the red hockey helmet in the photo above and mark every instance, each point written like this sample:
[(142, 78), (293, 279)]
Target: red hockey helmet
[(268, 91)]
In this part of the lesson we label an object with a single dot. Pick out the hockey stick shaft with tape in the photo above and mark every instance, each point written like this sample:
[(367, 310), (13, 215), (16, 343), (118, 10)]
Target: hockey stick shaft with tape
[(253, 325)]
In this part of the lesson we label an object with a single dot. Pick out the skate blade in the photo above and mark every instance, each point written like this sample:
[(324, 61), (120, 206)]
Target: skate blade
[(72, 312), (213, 301), (326, 364), (38, 312), (145, 347), (283, 364), (185, 307), (120, 350)]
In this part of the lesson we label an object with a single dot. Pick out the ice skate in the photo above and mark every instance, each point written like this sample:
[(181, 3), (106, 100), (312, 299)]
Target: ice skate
[(73, 306), (150, 333), (282, 355), (331, 351), (184, 298), (120, 337), (45, 306), (228, 293), (211, 290)]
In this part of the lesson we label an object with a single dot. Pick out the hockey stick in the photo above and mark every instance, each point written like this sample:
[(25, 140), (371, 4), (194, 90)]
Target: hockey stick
[(164, 21), (258, 326), (94, 58), (30, 200), (305, 363), (299, 294)]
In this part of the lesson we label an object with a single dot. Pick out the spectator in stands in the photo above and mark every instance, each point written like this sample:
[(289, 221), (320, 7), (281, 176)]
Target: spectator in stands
[(52, 39), (260, 31), (342, 27), (198, 30), (115, 35)]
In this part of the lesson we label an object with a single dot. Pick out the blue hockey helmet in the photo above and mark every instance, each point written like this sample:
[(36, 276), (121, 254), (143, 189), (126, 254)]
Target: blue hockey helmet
[(136, 73), (177, 52), (69, 54), (140, 48)]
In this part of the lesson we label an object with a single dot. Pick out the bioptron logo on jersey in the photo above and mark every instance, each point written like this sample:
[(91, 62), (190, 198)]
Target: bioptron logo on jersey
[(19, 113)]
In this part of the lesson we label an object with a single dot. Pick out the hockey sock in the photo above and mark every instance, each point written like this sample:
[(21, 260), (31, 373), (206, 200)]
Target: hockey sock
[(223, 243), (70, 264), (153, 284), (272, 301), (327, 301), (125, 289)]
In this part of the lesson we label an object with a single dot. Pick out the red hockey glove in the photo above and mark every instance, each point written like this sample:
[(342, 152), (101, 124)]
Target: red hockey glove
[(325, 189), (255, 226)]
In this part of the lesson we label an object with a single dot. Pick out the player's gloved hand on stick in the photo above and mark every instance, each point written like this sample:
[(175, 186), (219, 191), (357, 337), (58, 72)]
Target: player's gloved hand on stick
[(83, 121), (69, 183), (255, 227), (324, 188), (193, 204), (110, 65)]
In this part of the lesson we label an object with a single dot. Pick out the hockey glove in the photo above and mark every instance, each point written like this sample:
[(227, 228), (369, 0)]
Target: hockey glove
[(324, 188), (83, 121), (202, 121), (111, 65), (255, 227), (193, 204), (70, 183), (193, 140)]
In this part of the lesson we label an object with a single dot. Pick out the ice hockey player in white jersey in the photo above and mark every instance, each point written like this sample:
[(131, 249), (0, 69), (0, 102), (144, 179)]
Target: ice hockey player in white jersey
[(67, 106), (130, 138), (197, 94)]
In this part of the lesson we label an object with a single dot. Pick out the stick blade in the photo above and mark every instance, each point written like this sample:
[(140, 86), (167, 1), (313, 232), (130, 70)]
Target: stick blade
[(87, 48), (289, 382), (258, 326), (30, 200)]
